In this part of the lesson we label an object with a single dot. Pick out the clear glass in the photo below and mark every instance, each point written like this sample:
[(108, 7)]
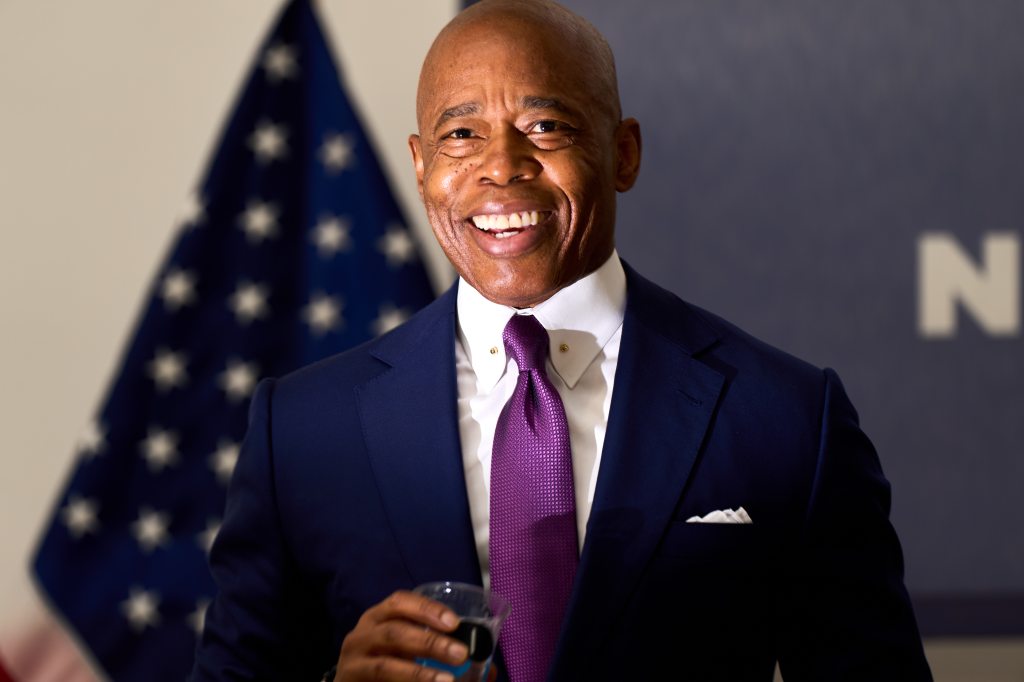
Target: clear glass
[(481, 614)]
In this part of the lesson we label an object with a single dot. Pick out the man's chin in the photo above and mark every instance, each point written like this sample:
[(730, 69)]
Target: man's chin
[(518, 294)]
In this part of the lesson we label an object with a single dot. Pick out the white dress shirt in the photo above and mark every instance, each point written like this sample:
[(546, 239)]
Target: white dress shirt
[(584, 323)]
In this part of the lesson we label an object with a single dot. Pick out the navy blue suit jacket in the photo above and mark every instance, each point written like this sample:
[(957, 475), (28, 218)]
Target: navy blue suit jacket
[(350, 485)]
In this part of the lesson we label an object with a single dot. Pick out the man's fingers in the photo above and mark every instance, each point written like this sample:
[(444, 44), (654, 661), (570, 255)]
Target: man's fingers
[(409, 640), (392, 634), (417, 608), (394, 670), (403, 627)]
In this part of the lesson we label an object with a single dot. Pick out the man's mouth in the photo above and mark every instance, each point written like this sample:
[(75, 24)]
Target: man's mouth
[(505, 225)]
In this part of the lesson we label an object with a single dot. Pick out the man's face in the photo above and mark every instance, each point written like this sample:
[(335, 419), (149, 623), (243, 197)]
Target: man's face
[(518, 160)]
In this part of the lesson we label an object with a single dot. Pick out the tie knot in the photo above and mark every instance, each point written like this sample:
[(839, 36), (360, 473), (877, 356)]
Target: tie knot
[(526, 341)]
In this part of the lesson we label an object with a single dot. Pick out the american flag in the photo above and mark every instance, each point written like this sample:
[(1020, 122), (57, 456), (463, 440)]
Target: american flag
[(293, 248)]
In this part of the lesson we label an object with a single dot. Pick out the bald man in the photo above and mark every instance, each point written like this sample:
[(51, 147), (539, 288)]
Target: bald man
[(718, 508)]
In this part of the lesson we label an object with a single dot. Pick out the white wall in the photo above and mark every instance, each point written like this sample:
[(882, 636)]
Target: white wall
[(108, 112)]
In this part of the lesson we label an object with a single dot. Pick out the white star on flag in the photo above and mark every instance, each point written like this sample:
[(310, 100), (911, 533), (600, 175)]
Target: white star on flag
[(389, 318), (397, 246), (141, 609), (178, 288), (193, 213), (160, 449), (93, 440), (167, 369), (79, 515), (150, 529), (331, 236), (280, 63), (336, 153), (238, 380), (259, 221), (197, 619), (206, 538), (268, 142), (322, 314), (223, 461), (248, 302)]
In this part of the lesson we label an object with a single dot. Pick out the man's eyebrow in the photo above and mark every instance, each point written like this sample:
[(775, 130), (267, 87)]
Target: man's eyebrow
[(458, 111), (533, 102), (528, 102)]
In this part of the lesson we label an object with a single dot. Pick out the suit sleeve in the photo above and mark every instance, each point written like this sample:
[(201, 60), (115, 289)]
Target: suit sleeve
[(262, 625), (845, 611)]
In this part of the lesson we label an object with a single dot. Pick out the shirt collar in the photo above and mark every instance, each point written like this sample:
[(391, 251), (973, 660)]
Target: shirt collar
[(580, 319)]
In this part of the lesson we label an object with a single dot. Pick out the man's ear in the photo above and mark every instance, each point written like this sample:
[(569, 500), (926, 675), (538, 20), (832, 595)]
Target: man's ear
[(628, 146), (417, 161)]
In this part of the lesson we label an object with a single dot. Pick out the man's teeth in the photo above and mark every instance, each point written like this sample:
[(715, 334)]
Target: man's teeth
[(499, 222)]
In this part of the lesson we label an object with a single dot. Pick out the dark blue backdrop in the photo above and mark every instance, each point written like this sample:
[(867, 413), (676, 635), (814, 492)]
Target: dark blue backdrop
[(796, 154)]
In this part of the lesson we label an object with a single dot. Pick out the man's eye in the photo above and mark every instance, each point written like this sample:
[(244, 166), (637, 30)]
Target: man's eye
[(460, 134), (546, 127)]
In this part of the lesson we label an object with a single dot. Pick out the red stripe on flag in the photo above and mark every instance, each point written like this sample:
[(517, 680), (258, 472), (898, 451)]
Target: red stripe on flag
[(4, 675), (42, 651)]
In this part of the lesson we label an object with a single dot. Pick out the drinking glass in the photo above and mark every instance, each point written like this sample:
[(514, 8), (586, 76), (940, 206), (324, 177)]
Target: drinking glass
[(481, 614)]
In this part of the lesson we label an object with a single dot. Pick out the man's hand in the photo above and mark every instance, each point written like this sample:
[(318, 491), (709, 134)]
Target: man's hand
[(391, 635)]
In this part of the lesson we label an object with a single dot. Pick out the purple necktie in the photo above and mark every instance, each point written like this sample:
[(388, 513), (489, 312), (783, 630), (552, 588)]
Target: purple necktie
[(533, 546)]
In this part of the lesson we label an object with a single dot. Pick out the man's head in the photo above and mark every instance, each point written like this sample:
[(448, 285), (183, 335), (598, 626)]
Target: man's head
[(518, 113)]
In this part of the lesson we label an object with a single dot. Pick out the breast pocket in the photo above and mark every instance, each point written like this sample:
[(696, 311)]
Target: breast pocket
[(719, 576), (714, 543)]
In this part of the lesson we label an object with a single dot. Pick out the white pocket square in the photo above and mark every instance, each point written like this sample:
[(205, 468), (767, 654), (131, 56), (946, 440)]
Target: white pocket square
[(723, 516)]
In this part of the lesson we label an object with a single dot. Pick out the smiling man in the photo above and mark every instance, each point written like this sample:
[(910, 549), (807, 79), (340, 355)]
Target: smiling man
[(521, 138), (658, 495)]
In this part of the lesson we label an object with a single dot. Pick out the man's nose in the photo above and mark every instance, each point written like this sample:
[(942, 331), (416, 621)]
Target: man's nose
[(508, 157)]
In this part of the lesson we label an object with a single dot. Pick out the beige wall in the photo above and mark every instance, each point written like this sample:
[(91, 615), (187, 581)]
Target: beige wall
[(108, 110)]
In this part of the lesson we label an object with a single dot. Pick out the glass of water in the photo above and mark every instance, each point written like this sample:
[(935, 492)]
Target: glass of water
[(481, 614)]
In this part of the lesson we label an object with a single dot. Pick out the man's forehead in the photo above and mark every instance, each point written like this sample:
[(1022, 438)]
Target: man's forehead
[(544, 52), (495, 43)]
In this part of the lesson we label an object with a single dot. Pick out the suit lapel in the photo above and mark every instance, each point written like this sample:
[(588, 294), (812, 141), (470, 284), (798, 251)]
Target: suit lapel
[(662, 404), (409, 420)]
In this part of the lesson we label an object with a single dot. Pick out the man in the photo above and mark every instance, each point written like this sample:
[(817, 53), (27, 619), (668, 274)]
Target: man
[(402, 462)]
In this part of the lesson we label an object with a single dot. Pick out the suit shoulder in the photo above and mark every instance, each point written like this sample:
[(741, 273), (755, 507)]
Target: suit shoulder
[(756, 372), (736, 342), (707, 336)]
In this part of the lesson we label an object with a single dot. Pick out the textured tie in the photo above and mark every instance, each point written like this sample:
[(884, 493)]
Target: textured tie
[(533, 546)]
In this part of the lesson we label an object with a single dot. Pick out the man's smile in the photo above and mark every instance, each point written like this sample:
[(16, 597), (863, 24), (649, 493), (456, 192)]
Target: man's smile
[(505, 225), (502, 232)]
